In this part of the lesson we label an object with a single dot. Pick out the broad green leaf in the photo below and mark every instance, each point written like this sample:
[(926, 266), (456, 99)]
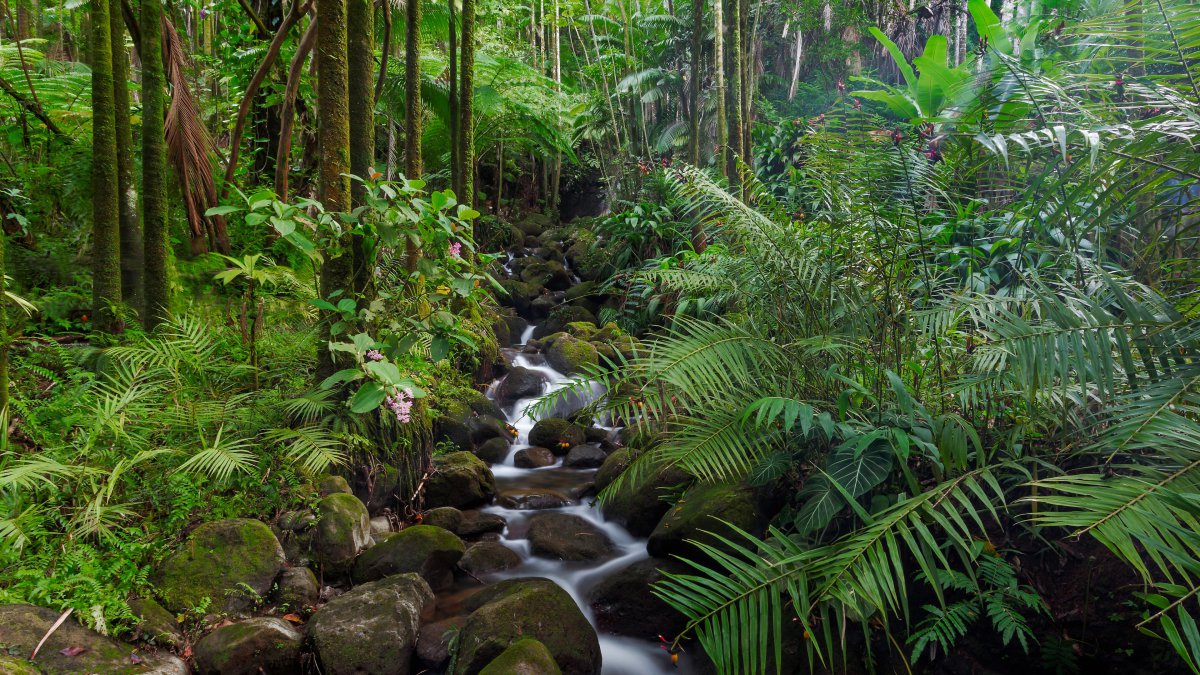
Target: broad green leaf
[(368, 397)]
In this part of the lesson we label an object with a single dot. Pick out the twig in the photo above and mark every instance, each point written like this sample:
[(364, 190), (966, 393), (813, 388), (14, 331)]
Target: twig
[(50, 632)]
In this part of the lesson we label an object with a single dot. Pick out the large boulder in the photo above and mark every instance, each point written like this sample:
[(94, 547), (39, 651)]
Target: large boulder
[(623, 603), (445, 517), (570, 355), (521, 382), (585, 457), (487, 557), (434, 641), (461, 480), (227, 564), (565, 536), (480, 404), (343, 531), (534, 458), (155, 624), (475, 524), (523, 657), (493, 450), (557, 434), (527, 608), (698, 516), (372, 629), (263, 645), (427, 550), (297, 589), (549, 274), (636, 505), (72, 649), (560, 316), (533, 224), (520, 295)]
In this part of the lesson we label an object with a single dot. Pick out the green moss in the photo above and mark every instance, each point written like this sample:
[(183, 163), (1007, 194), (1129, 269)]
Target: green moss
[(11, 665), (557, 434), (230, 562), (570, 355), (523, 657), (427, 550), (343, 529), (697, 515), (462, 481)]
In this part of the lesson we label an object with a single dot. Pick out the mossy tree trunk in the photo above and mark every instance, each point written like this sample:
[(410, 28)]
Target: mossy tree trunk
[(360, 17), (333, 162), (413, 167), (466, 103), (733, 87), (131, 230), (719, 73), (694, 83), (452, 54), (106, 226), (155, 233)]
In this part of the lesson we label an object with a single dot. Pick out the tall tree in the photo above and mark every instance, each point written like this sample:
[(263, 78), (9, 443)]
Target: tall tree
[(694, 81), (719, 72), (733, 86), (455, 174), (154, 168), (360, 24), (106, 227), (412, 90), (333, 140), (131, 230), (466, 103)]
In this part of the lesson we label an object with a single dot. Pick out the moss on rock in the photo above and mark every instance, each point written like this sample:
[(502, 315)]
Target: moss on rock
[(697, 516), (260, 646), (343, 530), (23, 626), (427, 550), (527, 608), (570, 355), (560, 317), (462, 480), (556, 434), (523, 657), (372, 629), (231, 563)]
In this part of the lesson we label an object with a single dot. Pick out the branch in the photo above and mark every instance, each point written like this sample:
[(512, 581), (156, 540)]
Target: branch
[(34, 109), (259, 26), (387, 47)]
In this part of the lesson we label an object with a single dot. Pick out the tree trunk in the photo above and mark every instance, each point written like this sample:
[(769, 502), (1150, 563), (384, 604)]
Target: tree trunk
[(733, 88), (333, 137), (156, 236), (283, 152), (466, 102), (412, 91), (455, 161), (694, 88), (361, 34), (131, 231), (719, 71), (106, 226)]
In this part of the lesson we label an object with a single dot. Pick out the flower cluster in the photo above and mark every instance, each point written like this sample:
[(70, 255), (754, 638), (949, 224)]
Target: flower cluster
[(401, 403), (374, 355), (455, 249)]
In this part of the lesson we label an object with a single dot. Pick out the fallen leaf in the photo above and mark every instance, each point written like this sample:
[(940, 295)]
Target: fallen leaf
[(135, 659), (293, 617), (72, 651)]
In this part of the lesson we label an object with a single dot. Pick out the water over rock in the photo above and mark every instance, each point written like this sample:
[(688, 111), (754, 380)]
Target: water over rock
[(520, 383), (565, 536)]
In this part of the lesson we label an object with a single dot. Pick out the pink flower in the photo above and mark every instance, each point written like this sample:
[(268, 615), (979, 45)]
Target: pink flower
[(374, 355), (400, 403), (455, 249)]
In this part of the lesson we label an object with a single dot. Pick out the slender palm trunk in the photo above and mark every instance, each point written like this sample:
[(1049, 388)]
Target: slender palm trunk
[(156, 237), (694, 89), (719, 71), (466, 102), (333, 138), (360, 23), (412, 90), (106, 226), (131, 231), (733, 88), (455, 174)]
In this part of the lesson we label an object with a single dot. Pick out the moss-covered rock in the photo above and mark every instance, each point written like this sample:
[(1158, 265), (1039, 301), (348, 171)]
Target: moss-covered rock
[(487, 557), (493, 451), (565, 536), (623, 603), (372, 629), (297, 588), (377, 488), (333, 484), (549, 274), (614, 465), (445, 517), (533, 224), (595, 264), (427, 550), (449, 430), (433, 642), (12, 665), (261, 646), (556, 434), (486, 427), (700, 512), (461, 480), (570, 355), (343, 530), (532, 499), (519, 295), (23, 626), (560, 316), (527, 608), (523, 657), (480, 404), (227, 564), (155, 624), (475, 524), (638, 506)]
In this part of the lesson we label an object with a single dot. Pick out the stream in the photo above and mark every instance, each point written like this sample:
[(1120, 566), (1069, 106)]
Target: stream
[(621, 655)]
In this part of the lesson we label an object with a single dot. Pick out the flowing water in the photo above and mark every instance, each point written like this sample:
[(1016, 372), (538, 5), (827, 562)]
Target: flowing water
[(621, 655)]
